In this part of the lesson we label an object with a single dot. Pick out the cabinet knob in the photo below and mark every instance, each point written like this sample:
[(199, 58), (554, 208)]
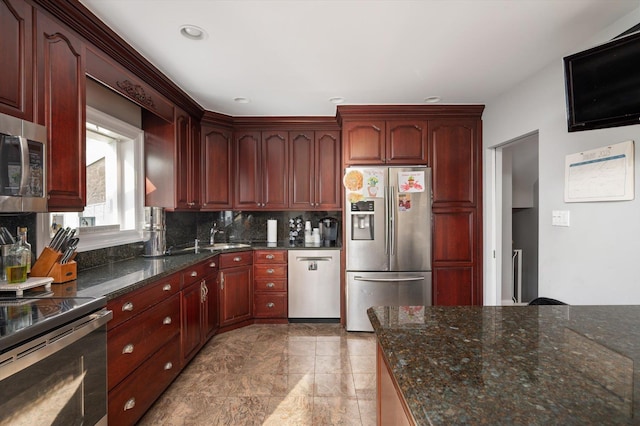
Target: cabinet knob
[(270, 271), (131, 402), (166, 287), (212, 265), (237, 259), (194, 273), (168, 365), (127, 307), (270, 285), (270, 305), (270, 256), (128, 349), (166, 320)]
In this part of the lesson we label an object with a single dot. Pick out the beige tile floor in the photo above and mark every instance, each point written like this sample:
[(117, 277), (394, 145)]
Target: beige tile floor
[(296, 374)]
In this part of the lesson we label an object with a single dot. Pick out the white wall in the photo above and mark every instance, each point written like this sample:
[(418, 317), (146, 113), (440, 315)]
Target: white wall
[(597, 259)]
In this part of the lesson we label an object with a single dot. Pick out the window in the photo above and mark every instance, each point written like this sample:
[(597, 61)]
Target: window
[(115, 196)]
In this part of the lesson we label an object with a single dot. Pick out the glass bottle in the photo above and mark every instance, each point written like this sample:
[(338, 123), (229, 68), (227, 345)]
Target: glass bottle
[(22, 234), (18, 259)]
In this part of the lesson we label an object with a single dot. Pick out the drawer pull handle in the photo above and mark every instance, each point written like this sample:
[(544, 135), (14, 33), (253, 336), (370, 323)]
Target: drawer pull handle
[(166, 321), (221, 280), (168, 365), (237, 259), (127, 307), (212, 265), (166, 287), (270, 305), (270, 285), (270, 256), (270, 271), (128, 349), (194, 273), (129, 404)]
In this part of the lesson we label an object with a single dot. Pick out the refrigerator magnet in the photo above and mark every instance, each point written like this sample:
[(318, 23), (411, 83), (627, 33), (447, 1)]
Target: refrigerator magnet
[(411, 181), (404, 202)]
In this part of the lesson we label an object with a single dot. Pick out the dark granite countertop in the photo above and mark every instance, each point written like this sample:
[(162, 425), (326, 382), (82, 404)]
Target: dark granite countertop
[(118, 278), (534, 365)]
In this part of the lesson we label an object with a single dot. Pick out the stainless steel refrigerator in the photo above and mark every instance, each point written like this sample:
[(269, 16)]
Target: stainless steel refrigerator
[(388, 240)]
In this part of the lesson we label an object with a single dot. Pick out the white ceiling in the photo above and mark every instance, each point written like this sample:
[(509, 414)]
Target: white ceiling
[(289, 57)]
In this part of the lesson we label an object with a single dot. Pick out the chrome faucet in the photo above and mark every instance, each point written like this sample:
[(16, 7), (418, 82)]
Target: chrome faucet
[(212, 233)]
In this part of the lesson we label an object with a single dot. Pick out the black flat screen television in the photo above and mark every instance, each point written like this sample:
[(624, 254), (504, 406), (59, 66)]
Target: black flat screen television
[(603, 85)]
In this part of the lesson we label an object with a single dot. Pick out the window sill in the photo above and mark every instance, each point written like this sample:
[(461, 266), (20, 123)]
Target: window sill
[(90, 241)]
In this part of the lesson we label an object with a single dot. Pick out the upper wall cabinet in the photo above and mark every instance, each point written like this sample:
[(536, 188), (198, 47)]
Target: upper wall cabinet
[(188, 161), (16, 57), (61, 104), (261, 170), (314, 167), (217, 161), (385, 142)]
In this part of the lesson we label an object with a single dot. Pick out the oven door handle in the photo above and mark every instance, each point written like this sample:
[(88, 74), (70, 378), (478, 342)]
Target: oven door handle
[(35, 350)]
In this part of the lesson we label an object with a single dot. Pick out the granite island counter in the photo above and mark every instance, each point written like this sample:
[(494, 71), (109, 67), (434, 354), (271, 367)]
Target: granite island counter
[(535, 365)]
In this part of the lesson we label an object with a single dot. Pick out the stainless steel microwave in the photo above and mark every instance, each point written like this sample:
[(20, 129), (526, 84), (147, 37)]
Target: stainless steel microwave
[(23, 178)]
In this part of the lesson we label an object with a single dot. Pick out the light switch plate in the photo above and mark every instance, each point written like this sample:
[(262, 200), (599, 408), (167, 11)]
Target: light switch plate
[(560, 218)]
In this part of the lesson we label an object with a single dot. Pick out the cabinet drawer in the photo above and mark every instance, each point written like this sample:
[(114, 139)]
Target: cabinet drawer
[(268, 271), (270, 285), (134, 396), (270, 305), (270, 256), (132, 342), (239, 258), (131, 304), (198, 271)]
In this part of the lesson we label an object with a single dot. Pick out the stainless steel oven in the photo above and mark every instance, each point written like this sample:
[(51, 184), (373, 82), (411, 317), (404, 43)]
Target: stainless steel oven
[(53, 361)]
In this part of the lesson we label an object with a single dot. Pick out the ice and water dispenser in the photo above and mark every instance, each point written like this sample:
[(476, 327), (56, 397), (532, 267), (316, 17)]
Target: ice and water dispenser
[(362, 219)]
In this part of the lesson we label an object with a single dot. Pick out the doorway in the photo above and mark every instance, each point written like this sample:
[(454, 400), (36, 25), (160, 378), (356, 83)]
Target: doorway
[(517, 193)]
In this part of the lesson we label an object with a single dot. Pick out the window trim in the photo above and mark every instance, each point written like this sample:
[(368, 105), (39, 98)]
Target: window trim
[(97, 240)]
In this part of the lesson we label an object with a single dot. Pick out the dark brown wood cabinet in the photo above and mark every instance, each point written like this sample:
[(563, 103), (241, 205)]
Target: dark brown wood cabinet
[(61, 93), (143, 348), (16, 56), (270, 299), (400, 141), (235, 288), (457, 220), (198, 306), (315, 170), (187, 143), (217, 170), (391, 406), (261, 160)]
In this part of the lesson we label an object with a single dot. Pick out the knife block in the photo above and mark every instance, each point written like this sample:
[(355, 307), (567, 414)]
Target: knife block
[(48, 265)]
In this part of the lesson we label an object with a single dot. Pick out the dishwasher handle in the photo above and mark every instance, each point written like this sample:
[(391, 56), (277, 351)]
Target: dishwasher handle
[(359, 278), (313, 259)]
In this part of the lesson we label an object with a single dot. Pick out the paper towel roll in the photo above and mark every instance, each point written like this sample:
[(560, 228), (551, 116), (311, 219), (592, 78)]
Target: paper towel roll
[(272, 231)]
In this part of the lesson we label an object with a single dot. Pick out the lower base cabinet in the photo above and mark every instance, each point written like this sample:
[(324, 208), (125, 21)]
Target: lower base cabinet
[(129, 400), (235, 286), (391, 407)]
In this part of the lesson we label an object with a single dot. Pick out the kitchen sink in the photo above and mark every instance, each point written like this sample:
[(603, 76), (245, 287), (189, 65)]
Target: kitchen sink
[(202, 247)]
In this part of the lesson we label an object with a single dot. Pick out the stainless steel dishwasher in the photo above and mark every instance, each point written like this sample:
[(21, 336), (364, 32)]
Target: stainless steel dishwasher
[(314, 285)]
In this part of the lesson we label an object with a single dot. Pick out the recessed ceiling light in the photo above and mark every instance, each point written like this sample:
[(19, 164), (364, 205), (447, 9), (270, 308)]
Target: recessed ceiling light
[(192, 32), (242, 100), (336, 100), (432, 99)]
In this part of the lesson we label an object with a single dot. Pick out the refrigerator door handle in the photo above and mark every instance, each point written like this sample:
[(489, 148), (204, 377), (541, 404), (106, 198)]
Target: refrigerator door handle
[(386, 222), (380, 280), (392, 220), (309, 259)]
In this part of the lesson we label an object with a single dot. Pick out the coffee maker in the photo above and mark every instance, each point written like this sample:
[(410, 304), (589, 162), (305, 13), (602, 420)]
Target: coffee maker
[(329, 231)]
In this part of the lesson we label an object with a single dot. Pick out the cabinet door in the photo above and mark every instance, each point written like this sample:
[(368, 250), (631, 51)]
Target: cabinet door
[(328, 173), (191, 320), (248, 182), (16, 47), (187, 161), (211, 303), (364, 142), (217, 155), (455, 161), (302, 164), (61, 107), (235, 295), (275, 171), (453, 286), (406, 142)]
